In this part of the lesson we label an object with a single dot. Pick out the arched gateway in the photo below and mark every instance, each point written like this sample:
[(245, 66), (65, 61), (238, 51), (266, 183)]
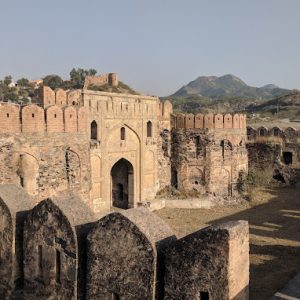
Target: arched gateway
[(122, 184)]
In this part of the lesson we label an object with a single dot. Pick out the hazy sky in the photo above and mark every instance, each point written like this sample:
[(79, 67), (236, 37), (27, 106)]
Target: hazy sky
[(156, 45)]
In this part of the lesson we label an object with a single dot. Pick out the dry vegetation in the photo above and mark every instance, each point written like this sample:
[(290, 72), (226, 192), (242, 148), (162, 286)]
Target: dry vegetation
[(273, 215)]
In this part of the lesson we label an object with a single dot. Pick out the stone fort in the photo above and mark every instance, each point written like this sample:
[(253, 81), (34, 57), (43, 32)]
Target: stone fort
[(74, 155), (118, 149)]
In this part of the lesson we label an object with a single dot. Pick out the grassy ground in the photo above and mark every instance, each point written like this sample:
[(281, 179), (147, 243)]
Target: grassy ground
[(274, 219)]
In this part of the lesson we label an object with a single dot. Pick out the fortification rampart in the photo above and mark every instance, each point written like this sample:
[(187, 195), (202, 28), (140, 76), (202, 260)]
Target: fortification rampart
[(209, 121), (59, 97), (126, 105), (111, 79), (32, 118), (262, 134), (65, 253), (164, 109)]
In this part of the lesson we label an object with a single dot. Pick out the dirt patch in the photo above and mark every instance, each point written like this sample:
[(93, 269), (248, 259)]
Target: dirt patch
[(274, 219)]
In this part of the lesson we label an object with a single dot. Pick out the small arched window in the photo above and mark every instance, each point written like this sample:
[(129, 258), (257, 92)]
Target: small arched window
[(122, 133), (262, 132), (149, 129), (94, 129), (276, 132)]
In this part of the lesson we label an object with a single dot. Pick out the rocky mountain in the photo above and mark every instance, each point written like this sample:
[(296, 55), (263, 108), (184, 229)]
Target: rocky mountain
[(228, 86)]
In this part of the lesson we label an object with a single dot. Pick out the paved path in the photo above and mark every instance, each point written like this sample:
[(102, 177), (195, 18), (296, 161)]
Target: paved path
[(291, 291)]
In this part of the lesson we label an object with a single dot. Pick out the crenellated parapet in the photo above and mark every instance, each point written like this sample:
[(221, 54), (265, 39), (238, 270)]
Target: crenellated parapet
[(32, 118), (263, 133), (164, 109), (209, 121), (59, 97)]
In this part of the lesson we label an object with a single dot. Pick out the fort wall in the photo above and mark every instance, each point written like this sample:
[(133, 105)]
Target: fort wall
[(208, 153), (59, 97), (209, 121), (45, 164), (45, 151), (141, 121), (212, 263), (15, 204), (110, 79), (275, 148), (144, 245), (133, 254), (275, 134), (32, 119)]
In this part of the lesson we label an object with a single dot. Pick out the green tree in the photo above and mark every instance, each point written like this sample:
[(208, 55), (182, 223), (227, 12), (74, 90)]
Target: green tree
[(12, 96), (77, 76), (23, 82), (7, 80), (53, 81)]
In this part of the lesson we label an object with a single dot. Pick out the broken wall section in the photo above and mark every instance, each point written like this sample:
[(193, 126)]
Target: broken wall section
[(15, 205), (124, 256), (45, 165), (212, 263)]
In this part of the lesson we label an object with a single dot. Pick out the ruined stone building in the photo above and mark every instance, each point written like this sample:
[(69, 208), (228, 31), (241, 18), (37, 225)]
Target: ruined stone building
[(117, 149), (58, 249), (68, 159), (288, 140), (209, 152), (277, 148)]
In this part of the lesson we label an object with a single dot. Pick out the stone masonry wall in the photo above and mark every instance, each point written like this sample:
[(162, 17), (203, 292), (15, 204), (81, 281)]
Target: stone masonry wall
[(59, 97), (6, 251), (63, 254), (109, 79), (208, 160), (46, 164), (50, 254), (123, 256), (212, 263), (32, 118), (164, 143), (263, 155)]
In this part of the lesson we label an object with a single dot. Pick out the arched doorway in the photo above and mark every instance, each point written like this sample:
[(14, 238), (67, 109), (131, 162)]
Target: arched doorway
[(122, 184), (287, 157), (28, 172)]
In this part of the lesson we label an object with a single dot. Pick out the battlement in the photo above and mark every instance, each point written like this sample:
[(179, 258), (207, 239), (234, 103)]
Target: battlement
[(263, 133), (59, 97), (110, 79), (209, 121), (126, 105), (164, 109), (32, 118)]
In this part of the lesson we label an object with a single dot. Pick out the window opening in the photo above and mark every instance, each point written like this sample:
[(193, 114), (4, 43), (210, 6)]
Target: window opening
[(123, 134), (204, 296), (58, 266), (149, 129)]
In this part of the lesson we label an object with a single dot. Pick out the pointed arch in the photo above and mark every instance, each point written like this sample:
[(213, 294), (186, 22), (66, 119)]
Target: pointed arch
[(149, 129), (122, 184), (94, 130)]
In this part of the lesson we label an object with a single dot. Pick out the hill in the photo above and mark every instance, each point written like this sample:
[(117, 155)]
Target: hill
[(287, 106), (227, 93), (228, 86)]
